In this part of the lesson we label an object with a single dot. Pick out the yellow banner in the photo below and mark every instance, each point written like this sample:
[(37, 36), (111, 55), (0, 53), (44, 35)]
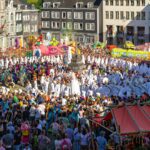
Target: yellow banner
[(118, 52)]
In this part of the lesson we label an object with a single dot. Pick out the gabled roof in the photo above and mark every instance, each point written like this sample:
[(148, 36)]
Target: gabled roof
[(132, 119), (72, 3)]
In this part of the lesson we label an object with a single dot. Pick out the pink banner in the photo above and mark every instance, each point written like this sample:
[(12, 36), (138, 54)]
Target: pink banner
[(50, 50), (54, 50)]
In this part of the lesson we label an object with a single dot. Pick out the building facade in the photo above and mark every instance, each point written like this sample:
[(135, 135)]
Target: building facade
[(30, 21), (126, 20), (8, 36), (19, 21), (2, 21), (73, 19)]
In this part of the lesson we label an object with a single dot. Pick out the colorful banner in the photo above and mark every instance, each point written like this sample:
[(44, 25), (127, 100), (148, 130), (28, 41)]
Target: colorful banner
[(118, 52)]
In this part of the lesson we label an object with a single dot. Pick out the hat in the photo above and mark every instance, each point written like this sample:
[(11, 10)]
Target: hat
[(15, 91), (98, 94), (59, 78), (20, 91)]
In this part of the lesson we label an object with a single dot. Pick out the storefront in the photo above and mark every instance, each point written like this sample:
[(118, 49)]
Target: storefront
[(130, 34), (79, 38), (140, 35), (89, 39), (109, 34), (120, 35)]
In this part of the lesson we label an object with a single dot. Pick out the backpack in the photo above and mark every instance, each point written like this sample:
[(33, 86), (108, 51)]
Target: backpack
[(65, 145)]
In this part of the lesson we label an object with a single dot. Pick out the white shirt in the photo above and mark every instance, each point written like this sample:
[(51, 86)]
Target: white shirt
[(32, 111), (64, 101)]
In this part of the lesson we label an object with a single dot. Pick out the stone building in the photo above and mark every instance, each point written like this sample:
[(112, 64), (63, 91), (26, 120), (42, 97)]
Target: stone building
[(126, 20)]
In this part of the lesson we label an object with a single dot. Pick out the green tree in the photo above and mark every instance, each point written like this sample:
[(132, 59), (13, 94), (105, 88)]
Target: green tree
[(37, 3), (32, 1)]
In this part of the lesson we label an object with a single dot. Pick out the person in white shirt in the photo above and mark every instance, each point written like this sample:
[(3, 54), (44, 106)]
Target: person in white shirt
[(57, 89), (46, 85), (64, 101)]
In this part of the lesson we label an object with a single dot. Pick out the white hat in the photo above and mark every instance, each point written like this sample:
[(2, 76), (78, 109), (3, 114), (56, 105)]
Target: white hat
[(59, 78), (98, 94), (105, 80), (16, 91), (20, 91)]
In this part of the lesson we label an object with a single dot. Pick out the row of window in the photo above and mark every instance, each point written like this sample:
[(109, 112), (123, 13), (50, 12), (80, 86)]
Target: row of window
[(68, 25), (10, 16), (126, 15), (28, 17), (68, 15), (30, 28), (18, 16), (125, 2), (19, 27), (47, 5), (111, 28), (26, 28)]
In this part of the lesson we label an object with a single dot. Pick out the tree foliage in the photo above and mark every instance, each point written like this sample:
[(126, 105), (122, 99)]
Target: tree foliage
[(37, 3), (32, 1)]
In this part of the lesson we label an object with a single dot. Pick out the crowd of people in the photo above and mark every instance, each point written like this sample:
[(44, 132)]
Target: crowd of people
[(44, 105)]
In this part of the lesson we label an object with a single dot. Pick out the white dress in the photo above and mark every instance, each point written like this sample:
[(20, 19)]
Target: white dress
[(75, 86)]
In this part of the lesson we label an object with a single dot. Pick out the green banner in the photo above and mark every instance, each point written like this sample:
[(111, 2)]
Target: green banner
[(118, 52)]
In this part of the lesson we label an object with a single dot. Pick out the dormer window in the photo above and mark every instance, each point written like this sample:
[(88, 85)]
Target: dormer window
[(47, 5), (90, 5), (79, 5), (56, 4)]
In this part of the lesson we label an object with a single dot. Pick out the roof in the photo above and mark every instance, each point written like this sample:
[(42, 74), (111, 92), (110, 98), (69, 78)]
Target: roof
[(16, 2), (72, 3), (132, 119), (23, 4)]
